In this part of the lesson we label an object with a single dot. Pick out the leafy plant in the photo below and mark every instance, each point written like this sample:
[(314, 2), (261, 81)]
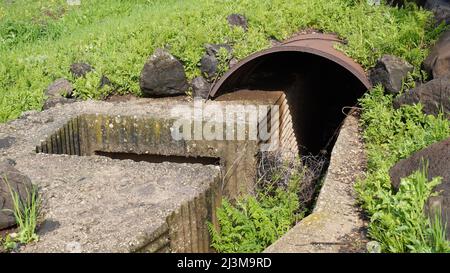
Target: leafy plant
[(400, 223), (26, 213), (397, 221), (255, 222)]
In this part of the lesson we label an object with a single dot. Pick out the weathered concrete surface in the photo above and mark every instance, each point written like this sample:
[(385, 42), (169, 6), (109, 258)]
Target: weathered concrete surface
[(98, 204), (238, 156), (336, 223)]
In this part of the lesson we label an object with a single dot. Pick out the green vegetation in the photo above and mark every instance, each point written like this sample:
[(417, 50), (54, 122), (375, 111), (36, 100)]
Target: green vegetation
[(255, 222), (40, 39), (397, 220), (26, 213)]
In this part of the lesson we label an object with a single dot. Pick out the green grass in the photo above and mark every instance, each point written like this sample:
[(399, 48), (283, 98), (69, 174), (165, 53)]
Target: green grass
[(397, 220), (26, 213), (40, 39)]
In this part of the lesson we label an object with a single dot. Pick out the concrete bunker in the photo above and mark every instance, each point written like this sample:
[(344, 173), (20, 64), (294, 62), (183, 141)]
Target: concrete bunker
[(310, 81), (319, 84)]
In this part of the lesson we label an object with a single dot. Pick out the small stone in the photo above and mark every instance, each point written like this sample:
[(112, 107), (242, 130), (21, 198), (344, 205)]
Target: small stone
[(209, 63), (214, 49), (209, 66), (200, 88), (73, 247), (390, 71), (233, 62), (237, 20), (163, 75), (58, 88), (373, 247), (7, 142), (104, 81), (79, 70), (374, 2)]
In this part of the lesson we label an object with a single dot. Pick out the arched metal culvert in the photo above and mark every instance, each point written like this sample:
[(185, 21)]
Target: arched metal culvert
[(318, 81)]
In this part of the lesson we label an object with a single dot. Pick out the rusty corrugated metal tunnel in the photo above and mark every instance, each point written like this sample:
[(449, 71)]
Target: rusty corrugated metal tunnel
[(317, 80)]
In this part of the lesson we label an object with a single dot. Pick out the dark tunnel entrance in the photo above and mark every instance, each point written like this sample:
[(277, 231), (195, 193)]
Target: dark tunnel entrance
[(319, 91)]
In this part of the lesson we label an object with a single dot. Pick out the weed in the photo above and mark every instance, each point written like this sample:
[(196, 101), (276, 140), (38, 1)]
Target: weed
[(254, 223), (26, 213), (397, 221), (284, 191)]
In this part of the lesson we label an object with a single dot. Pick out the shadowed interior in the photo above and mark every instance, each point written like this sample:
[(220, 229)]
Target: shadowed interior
[(319, 93)]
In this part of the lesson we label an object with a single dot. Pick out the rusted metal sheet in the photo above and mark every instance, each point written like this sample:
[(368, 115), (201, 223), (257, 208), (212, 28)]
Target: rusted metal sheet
[(318, 44)]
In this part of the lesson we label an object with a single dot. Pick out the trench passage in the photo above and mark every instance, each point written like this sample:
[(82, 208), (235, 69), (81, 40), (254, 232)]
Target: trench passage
[(152, 158), (70, 140), (319, 93)]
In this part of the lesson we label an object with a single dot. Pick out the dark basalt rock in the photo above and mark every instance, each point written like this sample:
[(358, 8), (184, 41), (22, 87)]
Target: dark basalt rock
[(237, 20), (104, 81), (438, 157), (79, 70), (433, 95), (200, 88), (213, 49), (437, 64), (163, 75), (401, 3), (209, 62), (209, 66), (11, 179), (390, 71)]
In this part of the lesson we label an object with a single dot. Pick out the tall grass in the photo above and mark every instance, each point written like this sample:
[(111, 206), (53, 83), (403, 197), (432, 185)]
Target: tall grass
[(26, 212)]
